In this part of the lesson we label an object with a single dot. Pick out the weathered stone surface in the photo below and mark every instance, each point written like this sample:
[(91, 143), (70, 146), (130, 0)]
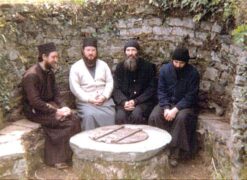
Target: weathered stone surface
[(153, 22), (144, 159), (184, 22), (178, 31), (216, 28), (153, 168), (205, 85), (21, 149), (214, 135), (162, 30), (211, 74)]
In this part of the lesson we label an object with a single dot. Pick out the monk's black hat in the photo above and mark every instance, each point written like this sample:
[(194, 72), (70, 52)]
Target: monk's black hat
[(46, 48), (181, 54), (132, 43), (89, 41)]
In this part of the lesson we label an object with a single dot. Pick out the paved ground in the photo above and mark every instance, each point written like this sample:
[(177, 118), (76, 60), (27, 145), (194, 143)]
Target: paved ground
[(197, 168)]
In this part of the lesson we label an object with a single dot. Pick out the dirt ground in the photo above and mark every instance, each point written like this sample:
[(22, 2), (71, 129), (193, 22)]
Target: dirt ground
[(197, 168)]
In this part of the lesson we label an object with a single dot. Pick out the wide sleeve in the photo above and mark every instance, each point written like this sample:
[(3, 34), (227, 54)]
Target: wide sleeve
[(151, 89), (163, 94), (118, 95), (109, 82), (191, 97), (74, 84), (30, 85)]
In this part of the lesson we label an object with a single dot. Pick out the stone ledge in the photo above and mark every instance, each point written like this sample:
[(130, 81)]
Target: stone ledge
[(21, 148), (215, 126), (214, 138)]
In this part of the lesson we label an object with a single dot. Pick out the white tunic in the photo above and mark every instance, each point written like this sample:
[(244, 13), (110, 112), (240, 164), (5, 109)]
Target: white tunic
[(84, 87)]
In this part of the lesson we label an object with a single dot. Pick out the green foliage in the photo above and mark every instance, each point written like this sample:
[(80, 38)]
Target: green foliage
[(8, 82), (200, 8), (240, 35)]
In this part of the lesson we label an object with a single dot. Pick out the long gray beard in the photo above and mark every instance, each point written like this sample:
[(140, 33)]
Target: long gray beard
[(130, 64)]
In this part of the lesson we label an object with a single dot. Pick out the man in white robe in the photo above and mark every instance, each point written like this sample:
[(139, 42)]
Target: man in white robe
[(91, 82)]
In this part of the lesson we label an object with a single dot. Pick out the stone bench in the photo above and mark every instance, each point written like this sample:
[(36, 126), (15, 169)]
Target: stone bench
[(214, 138), (21, 149)]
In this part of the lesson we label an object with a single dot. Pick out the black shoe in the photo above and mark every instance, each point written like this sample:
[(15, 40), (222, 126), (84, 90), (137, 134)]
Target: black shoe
[(173, 160)]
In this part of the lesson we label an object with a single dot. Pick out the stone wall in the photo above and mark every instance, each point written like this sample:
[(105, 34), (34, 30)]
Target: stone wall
[(23, 27), (239, 121)]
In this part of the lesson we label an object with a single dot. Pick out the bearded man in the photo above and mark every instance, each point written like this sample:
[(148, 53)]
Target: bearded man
[(43, 105), (91, 82), (135, 86), (178, 95)]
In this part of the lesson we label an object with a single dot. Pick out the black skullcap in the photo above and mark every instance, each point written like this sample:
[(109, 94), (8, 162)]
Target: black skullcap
[(132, 43), (89, 41), (181, 54), (46, 48)]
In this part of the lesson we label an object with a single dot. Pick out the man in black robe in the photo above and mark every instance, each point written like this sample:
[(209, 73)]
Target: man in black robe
[(135, 86), (178, 95), (43, 105)]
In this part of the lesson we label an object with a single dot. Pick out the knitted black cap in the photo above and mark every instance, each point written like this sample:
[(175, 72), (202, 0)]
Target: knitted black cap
[(181, 54), (132, 43), (89, 41), (46, 48)]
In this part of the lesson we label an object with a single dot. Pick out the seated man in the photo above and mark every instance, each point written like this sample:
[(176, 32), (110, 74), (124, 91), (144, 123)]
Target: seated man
[(135, 86), (178, 93), (91, 82), (43, 105)]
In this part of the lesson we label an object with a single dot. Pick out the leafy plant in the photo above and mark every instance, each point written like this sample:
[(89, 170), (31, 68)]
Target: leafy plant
[(200, 8), (240, 35)]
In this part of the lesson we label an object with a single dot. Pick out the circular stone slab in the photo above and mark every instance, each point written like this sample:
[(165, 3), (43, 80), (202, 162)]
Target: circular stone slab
[(86, 148)]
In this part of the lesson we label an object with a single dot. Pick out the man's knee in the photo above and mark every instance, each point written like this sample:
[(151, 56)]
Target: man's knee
[(184, 114), (120, 116), (155, 116)]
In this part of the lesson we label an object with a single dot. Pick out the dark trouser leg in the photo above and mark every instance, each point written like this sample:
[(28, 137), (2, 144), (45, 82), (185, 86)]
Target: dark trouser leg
[(156, 118), (183, 130), (57, 148), (136, 116), (121, 116)]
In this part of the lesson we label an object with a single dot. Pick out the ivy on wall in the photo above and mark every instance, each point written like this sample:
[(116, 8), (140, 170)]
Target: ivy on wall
[(8, 74), (200, 8), (240, 35)]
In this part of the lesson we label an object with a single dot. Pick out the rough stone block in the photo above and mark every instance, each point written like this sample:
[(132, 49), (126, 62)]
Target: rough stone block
[(153, 22), (184, 22), (178, 31), (206, 26), (21, 148), (215, 56), (124, 32), (205, 86), (195, 42), (211, 74), (74, 52), (216, 28), (162, 30), (121, 24), (202, 36), (133, 22)]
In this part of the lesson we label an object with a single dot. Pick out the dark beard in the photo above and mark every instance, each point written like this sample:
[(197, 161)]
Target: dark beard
[(50, 66), (130, 64), (90, 63)]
